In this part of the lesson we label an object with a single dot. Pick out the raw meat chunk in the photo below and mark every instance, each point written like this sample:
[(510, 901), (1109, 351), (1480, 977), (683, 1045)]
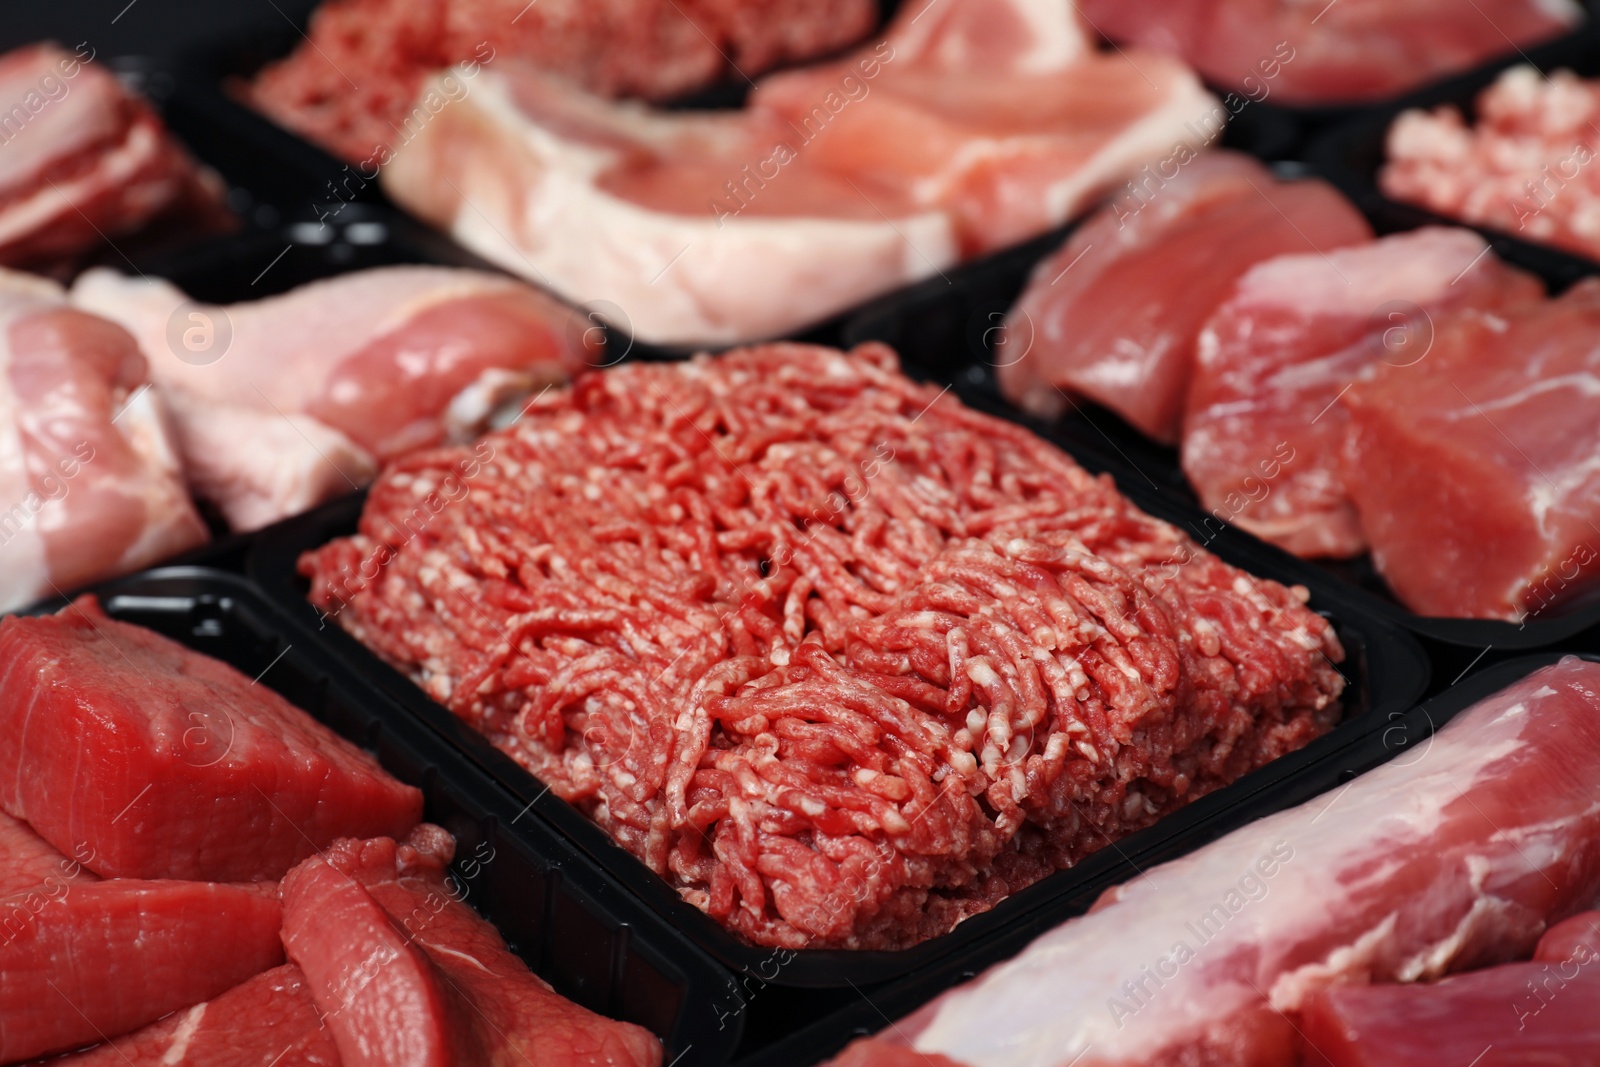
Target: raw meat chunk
[(303, 394), (1575, 938), (89, 483), (1493, 511), (1113, 316), (842, 660), (404, 972), (107, 957), (1338, 52), (1456, 855), (981, 125), (1523, 168), (29, 864), (85, 162), (169, 764), (353, 86), (1264, 430), (269, 1021)]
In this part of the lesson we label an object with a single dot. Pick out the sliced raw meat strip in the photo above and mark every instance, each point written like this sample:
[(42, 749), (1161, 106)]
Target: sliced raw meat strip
[(1523, 167), (340, 374), (404, 972), (89, 481), (1342, 52), (353, 86), (30, 864), (1113, 316), (1476, 471), (1264, 432), (982, 125), (85, 162), (170, 764), (1454, 856), (269, 1021), (1575, 938), (1515, 1015), (108, 957), (841, 659)]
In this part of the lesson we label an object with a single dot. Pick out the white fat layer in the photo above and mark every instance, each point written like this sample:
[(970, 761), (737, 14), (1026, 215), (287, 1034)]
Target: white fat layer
[(179, 1049)]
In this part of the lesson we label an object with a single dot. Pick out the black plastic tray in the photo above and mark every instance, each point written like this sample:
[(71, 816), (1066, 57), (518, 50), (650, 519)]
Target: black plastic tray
[(1384, 739), (948, 326), (590, 940), (1386, 672), (1351, 154)]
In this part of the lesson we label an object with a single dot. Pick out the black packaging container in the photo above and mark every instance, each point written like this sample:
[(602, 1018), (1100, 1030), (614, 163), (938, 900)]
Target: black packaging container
[(949, 326), (591, 940), (1380, 741)]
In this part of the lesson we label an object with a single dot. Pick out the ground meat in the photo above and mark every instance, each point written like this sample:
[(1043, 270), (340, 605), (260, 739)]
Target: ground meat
[(1524, 168), (841, 659), (352, 85)]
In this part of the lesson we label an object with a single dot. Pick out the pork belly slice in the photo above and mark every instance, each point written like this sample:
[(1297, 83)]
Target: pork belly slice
[(1456, 855), (164, 763)]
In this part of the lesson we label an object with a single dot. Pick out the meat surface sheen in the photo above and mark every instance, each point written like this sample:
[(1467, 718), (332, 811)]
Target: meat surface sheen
[(1113, 315), (842, 660), (107, 957), (90, 485), (353, 86), (1346, 52), (404, 972), (1456, 855), (1495, 512), (288, 401), (165, 763), (1522, 167), (268, 1021), (84, 162), (1265, 431)]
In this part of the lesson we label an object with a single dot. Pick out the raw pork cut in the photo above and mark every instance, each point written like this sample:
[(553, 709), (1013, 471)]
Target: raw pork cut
[(1114, 314), (1264, 431), (1524, 167), (90, 485), (170, 764), (404, 972), (269, 1021), (111, 956), (353, 85), (83, 162), (841, 659), (1494, 510), (983, 124), (30, 864), (1453, 856), (294, 399), (1329, 52)]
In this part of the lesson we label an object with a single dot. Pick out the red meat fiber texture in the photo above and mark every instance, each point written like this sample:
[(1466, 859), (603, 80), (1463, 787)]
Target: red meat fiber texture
[(841, 659)]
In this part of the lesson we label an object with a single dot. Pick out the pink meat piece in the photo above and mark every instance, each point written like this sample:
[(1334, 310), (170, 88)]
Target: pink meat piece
[(30, 864), (1113, 315), (1348, 51), (89, 483), (403, 971), (1523, 167), (169, 764), (1456, 855), (1263, 434), (1495, 511), (86, 162), (107, 957), (268, 1021), (974, 127), (1514, 1015), (1574, 938), (340, 375)]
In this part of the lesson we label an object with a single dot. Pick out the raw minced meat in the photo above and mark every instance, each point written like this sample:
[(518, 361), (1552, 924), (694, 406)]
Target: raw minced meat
[(841, 659)]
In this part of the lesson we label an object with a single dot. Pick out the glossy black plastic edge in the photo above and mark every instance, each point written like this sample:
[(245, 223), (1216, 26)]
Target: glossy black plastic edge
[(1386, 670), (948, 324), (1383, 740), (593, 942)]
